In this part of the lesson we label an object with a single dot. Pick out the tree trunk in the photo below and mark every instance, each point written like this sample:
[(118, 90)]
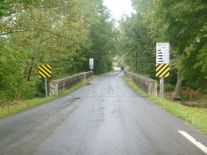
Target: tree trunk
[(30, 69), (136, 61), (177, 92)]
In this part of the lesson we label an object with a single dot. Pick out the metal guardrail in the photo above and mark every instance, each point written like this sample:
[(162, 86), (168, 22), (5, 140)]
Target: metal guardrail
[(57, 86), (146, 84)]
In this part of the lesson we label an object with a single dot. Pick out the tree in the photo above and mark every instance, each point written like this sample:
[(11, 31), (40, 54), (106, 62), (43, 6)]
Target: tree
[(61, 33), (183, 24)]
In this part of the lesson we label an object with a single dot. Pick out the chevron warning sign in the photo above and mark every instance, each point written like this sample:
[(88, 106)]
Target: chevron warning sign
[(45, 71), (162, 70)]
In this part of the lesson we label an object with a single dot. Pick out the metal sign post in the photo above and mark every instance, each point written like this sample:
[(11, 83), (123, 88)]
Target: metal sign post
[(46, 89), (45, 71), (162, 87), (162, 63)]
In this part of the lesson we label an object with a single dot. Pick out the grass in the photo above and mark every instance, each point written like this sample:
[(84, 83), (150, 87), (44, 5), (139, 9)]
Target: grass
[(193, 115), (203, 100), (133, 85), (18, 106)]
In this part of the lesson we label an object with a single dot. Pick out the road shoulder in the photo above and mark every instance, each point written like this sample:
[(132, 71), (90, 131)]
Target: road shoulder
[(19, 106), (195, 116)]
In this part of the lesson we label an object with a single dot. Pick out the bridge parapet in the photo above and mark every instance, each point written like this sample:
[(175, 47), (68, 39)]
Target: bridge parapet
[(57, 86), (146, 84)]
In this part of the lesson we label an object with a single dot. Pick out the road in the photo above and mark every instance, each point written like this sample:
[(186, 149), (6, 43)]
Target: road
[(105, 117)]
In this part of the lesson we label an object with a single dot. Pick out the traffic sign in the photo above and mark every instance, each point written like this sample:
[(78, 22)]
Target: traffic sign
[(162, 59), (162, 53), (91, 63), (45, 71), (162, 63), (162, 70)]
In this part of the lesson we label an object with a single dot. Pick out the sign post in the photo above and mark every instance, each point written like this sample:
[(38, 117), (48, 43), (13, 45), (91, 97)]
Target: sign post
[(91, 63), (162, 87), (46, 89), (45, 71), (162, 63)]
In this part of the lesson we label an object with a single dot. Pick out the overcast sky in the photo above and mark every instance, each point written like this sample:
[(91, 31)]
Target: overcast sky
[(119, 7)]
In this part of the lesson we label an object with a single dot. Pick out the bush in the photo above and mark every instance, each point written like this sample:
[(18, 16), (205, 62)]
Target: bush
[(190, 94), (40, 88), (169, 87)]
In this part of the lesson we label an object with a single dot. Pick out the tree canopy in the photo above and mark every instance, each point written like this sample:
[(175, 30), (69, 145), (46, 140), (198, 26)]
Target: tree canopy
[(63, 33), (180, 22)]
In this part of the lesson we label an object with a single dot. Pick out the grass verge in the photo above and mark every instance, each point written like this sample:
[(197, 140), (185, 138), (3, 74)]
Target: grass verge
[(18, 106), (194, 116)]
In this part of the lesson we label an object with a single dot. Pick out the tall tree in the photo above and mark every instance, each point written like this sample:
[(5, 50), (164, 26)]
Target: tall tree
[(183, 24), (63, 33)]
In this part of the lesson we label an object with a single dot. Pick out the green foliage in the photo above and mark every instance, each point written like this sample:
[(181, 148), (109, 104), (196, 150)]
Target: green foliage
[(102, 45), (12, 83), (136, 46), (182, 23), (63, 33)]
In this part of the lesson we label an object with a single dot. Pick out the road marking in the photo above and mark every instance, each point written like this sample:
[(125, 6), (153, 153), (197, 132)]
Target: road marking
[(194, 141)]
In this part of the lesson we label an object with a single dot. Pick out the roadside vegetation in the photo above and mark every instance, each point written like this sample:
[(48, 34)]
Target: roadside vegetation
[(63, 33), (15, 106), (193, 115), (183, 24)]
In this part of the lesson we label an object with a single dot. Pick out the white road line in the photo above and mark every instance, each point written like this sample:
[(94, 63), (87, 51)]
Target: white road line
[(194, 141)]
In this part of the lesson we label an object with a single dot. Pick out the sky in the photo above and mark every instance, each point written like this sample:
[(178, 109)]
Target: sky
[(119, 7)]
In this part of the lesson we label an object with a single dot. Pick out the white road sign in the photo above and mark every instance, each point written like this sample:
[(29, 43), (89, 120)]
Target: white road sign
[(162, 53), (91, 63)]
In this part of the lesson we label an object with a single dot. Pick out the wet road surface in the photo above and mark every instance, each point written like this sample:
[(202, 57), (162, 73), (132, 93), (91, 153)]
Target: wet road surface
[(103, 118)]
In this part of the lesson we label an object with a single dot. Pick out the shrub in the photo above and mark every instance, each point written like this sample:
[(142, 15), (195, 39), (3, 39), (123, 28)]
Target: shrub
[(190, 94)]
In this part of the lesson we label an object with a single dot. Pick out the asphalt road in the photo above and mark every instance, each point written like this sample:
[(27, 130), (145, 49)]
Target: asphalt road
[(103, 118)]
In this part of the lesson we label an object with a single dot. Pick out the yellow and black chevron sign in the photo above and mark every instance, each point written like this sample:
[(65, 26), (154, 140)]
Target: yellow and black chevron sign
[(162, 70), (45, 71)]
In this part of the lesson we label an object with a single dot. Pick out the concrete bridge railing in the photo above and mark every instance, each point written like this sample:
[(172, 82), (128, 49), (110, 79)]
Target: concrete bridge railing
[(146, 84), (57, 86)]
